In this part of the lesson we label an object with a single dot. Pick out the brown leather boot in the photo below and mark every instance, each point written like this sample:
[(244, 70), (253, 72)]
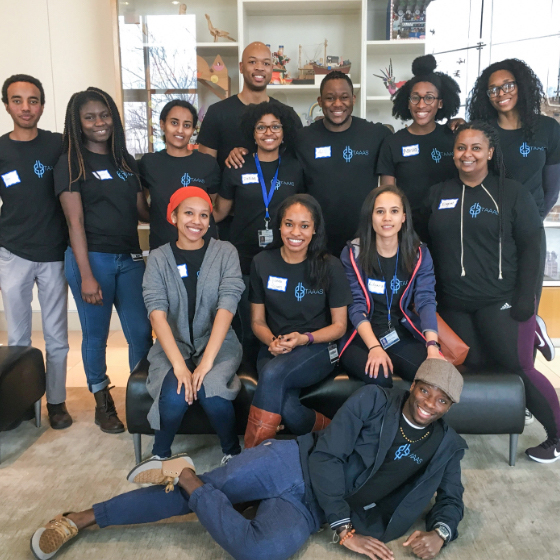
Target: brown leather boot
[(106, 413), (261, 425), (321, 422)]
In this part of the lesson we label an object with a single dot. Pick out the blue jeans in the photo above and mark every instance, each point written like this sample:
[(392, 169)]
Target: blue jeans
[(120, 279), (281, 379), (172, 408), (270, 472)]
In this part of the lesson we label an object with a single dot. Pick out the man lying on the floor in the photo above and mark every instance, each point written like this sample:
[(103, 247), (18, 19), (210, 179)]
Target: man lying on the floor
[(369, 474)]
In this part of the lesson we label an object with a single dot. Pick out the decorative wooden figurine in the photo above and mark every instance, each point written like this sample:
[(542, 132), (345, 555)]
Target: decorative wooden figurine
[(216, 75), (216, 32)]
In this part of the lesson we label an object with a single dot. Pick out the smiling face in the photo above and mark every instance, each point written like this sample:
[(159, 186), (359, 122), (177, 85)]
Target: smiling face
[(423, 113), (337, 102), (388, 215), (426, 403), (256, 66), (471, 154), (177, 128), (503, 102), (268, 133), (97, 124), (297, 229), (24, 104), (192, 218)]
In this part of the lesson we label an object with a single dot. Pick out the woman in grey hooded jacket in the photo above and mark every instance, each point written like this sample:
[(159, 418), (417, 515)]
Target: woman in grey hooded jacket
[(191, 291)]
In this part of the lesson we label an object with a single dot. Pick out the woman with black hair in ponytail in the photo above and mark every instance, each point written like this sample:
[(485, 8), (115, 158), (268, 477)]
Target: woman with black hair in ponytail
[(299, 297), (484, 229), (421, 155), (97, 182)]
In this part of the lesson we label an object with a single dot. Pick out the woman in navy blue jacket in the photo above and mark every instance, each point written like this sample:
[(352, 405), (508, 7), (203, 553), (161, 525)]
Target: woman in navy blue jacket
[(389, 270)]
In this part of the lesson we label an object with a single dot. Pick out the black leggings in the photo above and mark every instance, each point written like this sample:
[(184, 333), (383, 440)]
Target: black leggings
[(406, 355), (495, 337)]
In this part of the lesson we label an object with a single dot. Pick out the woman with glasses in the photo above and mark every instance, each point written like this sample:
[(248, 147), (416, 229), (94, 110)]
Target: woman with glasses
[(421, 155), (257, 189), (508, 95)]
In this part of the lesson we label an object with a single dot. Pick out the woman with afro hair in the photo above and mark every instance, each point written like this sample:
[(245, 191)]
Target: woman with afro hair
[(508, 95), (421, 155)]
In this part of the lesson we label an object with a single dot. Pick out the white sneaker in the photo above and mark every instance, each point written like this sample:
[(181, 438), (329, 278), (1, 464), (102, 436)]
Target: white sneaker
[(225, 460), (529, 418), (161, 471)]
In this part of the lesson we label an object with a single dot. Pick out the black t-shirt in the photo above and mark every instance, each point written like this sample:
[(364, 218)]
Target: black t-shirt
[(396, 282), (418, 162), (292, 305), (480, 237), (243, 187), (163, 174), (32, 224), (109, 203), (221, 128), (406, 458), (525, 160), (188, 265), (340, 171)]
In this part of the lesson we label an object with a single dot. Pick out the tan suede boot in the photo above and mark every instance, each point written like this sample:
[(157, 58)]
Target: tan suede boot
[(261, 425)]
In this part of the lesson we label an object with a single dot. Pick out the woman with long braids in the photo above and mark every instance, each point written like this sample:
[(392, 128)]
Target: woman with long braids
[(101, 196), (299, 296), (484, 229), (509, 95), (421, 155), (162, 173), (389, 271)]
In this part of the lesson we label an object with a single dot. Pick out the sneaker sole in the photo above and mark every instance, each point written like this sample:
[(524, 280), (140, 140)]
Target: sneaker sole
[(149, 470), (546, 338), (543, 460), (37, 552)]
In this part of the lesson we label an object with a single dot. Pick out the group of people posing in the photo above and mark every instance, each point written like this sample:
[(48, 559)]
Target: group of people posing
[(322, 265)]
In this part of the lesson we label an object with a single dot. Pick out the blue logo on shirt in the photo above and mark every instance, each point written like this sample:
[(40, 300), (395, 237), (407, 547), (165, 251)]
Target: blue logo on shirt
[(404, 451), (349, 153), (436, 155), (476, 209), (396, 284), (187, 180), (301, 291), (525, 149), (124, 175), (40, 169), (280, 183)]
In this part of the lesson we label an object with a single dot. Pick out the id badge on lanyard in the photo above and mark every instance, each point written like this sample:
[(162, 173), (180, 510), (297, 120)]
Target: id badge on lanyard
[(265, 236), (390, 337)]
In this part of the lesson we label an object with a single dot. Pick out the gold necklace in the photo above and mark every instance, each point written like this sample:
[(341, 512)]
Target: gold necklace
[(416, 440)]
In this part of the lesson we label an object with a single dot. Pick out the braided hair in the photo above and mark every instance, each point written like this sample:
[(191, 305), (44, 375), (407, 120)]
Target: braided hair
[(72, 139), (423, 69), (529, 98)]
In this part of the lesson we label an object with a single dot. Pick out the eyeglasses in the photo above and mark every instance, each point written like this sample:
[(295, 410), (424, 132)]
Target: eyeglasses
[(428, 99), (506, 88), (262, 128)]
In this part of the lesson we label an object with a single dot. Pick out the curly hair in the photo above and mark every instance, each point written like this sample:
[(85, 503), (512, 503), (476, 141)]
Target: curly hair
[(284, 114), (530, 95), (22, 78), (423, 70)]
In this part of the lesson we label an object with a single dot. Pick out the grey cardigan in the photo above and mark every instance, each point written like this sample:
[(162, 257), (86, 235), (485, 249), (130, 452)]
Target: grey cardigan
[(219, 286)]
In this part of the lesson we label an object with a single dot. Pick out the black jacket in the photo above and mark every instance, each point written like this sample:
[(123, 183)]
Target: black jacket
[(339, 460)]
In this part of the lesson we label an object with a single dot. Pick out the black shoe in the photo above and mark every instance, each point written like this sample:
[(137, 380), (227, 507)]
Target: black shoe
[(106, 413), (58, 416)]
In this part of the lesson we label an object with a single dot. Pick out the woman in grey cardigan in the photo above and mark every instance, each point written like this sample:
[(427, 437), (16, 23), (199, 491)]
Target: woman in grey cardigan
[(191, 291)]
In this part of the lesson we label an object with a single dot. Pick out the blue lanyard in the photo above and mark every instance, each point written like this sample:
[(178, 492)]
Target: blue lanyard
[(389, 303), (267, 197)]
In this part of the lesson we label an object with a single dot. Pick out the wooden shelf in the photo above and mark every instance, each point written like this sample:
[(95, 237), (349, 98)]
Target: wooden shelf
[(403, 46), (226, 48)]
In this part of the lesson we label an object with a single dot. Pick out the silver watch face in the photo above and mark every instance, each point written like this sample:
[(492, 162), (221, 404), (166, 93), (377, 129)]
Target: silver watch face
[(442, 530)]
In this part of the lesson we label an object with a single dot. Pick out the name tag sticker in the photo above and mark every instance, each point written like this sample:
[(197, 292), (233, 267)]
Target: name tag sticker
[(408, 151), (276, 283), (376, 286), (182, 268), (323, 152), (248, 178), (445, 203), (11, 178), (102, 175)]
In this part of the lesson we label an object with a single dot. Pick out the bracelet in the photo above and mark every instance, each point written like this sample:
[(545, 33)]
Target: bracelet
[(348, 535), (433, 343), (376, 346), (310, 337)]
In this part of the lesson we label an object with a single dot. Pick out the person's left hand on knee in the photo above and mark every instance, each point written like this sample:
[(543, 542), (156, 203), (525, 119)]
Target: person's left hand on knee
[(425, 545), (291, 340), (199, 374)]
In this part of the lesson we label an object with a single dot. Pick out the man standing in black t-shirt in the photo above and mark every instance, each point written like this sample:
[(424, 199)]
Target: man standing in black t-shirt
[(339, 157), (33, 235)]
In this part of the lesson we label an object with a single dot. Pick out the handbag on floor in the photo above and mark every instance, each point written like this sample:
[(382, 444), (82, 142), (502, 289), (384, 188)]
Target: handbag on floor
[(452, 346)]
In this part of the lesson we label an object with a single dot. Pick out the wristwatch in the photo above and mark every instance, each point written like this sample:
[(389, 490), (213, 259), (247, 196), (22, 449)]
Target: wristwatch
[(443, 531), (433, 343)]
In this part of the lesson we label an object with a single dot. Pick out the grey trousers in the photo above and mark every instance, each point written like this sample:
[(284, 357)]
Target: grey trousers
[(17, 277)]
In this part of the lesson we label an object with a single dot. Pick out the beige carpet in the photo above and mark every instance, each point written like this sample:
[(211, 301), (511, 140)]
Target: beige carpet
[(511, 513)]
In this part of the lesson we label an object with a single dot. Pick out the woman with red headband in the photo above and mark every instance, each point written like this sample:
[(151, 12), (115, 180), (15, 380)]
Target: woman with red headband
[(191, 291)]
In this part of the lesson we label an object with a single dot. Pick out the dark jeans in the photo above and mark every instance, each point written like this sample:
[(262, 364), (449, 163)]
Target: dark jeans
[(120, 279), (270, 472), (495, 337), (281, 379), (406, 356), (172, 408)]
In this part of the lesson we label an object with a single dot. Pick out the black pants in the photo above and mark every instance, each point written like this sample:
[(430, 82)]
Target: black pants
[(406, 355)]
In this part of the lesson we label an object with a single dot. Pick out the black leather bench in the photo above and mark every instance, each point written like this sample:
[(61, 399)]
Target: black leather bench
[(491, 403)]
